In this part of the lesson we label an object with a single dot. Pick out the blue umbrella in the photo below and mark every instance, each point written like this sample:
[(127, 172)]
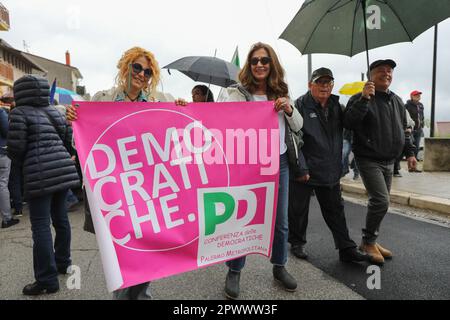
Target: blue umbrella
[(64, 96)]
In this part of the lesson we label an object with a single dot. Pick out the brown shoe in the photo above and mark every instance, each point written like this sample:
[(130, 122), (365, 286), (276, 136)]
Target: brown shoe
[(387, 254), (375, 256)]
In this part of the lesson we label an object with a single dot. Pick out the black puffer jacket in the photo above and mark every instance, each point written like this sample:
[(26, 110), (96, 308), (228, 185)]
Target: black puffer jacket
[(36, 142), (322, 136)]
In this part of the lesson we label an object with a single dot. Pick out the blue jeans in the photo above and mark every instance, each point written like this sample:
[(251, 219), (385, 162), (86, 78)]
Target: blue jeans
[(280, 239), (417, 134), (5, 206), (46, 256), (71, 199), (346, 149)]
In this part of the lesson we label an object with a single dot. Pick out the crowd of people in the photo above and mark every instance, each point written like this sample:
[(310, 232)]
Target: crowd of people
[(317, 135)]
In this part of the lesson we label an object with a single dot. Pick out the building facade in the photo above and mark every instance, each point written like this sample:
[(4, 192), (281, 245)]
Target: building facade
[(13, 65), (67, 76), (4, 18)]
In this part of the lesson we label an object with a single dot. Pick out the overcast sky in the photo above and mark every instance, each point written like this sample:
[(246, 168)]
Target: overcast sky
[(97, 32)]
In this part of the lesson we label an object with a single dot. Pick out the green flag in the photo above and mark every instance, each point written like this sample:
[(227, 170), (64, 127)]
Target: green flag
[(235, 59)]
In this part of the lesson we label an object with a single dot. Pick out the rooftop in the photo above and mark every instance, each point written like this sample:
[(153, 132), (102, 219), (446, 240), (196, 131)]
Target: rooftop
[(6, 46)]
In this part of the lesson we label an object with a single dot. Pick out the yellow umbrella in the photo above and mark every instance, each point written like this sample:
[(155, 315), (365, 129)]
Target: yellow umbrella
[(352, 88)]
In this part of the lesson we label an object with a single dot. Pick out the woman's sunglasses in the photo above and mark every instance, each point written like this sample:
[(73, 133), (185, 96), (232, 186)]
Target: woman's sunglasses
[(264, 60), (137, 68)]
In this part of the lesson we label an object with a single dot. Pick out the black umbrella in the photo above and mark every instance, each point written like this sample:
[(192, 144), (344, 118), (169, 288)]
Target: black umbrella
[(349, 27), (210, 70)]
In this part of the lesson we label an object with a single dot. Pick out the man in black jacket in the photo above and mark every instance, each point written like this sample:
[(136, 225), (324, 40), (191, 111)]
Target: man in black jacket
[(321, 156), (377, 117), (415, 109)]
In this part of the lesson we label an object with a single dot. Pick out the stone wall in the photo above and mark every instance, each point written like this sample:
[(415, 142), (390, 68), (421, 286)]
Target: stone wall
[(437, 154)]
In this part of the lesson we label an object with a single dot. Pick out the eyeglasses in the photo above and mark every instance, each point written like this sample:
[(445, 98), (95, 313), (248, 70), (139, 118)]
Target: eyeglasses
[(138, 68), (264, 60), (324, 82)]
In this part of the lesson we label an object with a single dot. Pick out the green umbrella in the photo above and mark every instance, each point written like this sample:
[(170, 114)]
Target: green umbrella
[(349, 27)]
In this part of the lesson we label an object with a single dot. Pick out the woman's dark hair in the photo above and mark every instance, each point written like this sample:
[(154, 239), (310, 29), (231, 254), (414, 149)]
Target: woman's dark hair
[(205, 91)]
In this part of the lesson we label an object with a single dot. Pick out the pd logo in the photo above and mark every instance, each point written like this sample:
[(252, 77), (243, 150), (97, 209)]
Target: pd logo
[(235, 221)]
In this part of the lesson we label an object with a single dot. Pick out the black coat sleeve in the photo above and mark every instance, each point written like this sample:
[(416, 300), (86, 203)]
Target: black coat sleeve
[(302, 167), (3, 123), (17, 135), (422, 118), (355, 112), (68, 140), (409, 149), (64, 131)]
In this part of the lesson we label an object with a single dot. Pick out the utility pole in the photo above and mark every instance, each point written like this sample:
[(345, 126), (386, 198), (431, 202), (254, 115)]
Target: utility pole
[(433, 89), (309, 66)]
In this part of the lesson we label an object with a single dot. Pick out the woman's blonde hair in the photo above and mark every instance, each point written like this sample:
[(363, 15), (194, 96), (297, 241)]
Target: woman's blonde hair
[(276, 86), (124, 65)]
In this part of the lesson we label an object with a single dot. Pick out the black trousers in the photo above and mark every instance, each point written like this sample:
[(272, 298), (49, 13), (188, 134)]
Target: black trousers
[(15, 186), (331, 205)]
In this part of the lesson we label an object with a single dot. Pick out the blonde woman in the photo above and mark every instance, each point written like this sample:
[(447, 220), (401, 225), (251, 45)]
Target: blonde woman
[(137, 78)]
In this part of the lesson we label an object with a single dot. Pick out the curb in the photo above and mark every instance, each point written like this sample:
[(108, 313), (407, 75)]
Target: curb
[(440, 205)]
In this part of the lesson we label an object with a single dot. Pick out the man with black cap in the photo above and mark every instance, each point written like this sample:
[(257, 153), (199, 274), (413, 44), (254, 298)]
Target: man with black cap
[(321, 166), (378, 119)]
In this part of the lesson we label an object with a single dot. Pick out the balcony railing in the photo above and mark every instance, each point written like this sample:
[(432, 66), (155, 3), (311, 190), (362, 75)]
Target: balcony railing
[(6, 71)]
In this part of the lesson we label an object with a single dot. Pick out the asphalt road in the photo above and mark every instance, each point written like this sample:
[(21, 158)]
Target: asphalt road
[(16, 270), (420, 268)]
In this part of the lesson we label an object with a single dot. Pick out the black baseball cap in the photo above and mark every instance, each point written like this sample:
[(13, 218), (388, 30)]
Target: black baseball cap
[(378, 63), (321, 72)]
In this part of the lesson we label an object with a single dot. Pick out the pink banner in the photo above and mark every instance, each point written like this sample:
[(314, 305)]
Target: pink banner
[(172, 189)]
